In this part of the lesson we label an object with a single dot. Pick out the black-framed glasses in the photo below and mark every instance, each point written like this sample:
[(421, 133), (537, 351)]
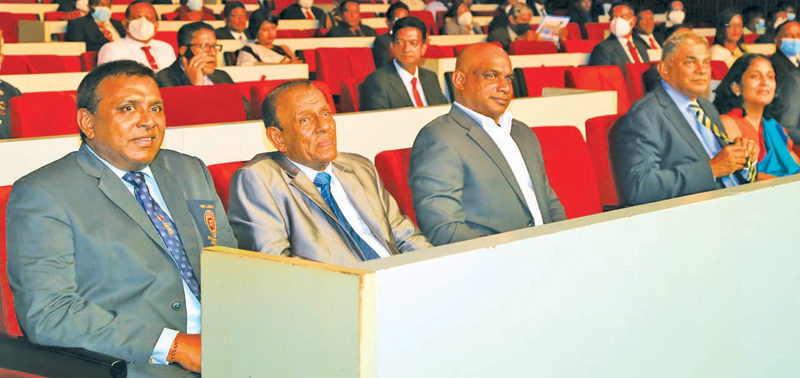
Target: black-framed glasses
[(206, 46)]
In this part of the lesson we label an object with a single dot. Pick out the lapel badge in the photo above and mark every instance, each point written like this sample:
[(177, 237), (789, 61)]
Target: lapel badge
[(211, 222)]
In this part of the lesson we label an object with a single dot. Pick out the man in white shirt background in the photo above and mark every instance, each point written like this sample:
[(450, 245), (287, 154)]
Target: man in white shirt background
[(235, 23), (645, 23), (141, 24), (620, 48)]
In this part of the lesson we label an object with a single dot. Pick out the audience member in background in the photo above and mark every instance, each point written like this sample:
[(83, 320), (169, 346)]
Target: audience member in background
[(727, 45), (141, 24), (789, 9), (437, 6), (459, 21), (197, 62), (264, 26), (645, 23), (7, 91), (652, 78), (540, 8), (334, 16), (787, 75), (235, 23), (308, 200), (351, 25), (502, 12), (72, 8), (194, 10), (675, 14), (403, 83), (620, 48), (753, 18), (666, 145), (86, 263), (517, 27), (776, 18), (744, 97), (477, 171), (580, 12), (96, 28), (304, 10), (381, 52)]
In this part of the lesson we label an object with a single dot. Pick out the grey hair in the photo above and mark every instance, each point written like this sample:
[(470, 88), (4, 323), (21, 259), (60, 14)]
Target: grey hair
[(672, 44), (517, 9)]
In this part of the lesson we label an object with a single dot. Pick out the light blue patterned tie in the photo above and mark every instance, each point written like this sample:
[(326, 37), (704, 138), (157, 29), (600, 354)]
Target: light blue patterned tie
[(165, 227), (323, 182)]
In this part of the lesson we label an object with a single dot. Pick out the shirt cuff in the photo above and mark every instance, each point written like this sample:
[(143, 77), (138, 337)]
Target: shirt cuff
[(163, 345)]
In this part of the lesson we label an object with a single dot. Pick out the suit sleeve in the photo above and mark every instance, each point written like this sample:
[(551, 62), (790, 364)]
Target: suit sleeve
[(599, 56), (406, 235), (255, 216), (372, 95), (75, 33), (41, 272), (637, 151), (436, 178)]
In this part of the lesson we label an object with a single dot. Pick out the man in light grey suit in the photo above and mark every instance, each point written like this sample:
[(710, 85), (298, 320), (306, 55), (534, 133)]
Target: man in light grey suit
[(88, 266), (660, 150), (306, 199), (476, 171), (402, 83)]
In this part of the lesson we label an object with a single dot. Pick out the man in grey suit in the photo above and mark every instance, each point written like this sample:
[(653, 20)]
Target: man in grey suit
[(403, 83), (88, 265), (660, 149), (476, 171), (306, 199)]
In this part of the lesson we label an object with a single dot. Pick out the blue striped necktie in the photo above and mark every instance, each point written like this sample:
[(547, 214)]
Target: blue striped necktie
[(704, 120), (323, 182)]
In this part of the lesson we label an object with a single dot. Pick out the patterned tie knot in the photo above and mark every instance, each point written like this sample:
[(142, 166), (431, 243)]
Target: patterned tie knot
[(134, 178), (322, 180), (695, 107)]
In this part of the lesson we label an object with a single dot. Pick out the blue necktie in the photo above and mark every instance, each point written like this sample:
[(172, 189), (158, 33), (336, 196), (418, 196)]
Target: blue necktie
[(710, 133), (165, 227), (323, 182)]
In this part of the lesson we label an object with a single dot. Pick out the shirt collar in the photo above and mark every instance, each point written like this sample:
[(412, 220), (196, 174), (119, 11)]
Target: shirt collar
[(404, 75), (624, 40), (678, 98), (486, 122), (130, 40), (119, 172), (310, 172)]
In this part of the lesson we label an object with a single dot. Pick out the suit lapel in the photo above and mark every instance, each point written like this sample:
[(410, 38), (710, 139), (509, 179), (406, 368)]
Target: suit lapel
[(427, 86), (396, 84), (675, 116), (371, 212), (619, 53)]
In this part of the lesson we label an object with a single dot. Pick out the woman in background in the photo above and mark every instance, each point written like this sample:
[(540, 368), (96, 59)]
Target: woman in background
[(727, 45), (264, 26)]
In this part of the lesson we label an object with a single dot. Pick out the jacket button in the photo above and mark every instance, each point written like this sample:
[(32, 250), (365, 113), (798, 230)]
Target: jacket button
[(531, 223), (176, 305)]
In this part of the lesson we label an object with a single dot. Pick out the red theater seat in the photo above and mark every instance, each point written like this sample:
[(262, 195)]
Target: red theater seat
[(634, 79), (579, 46), (348, 102), (260, 90), (533, 79), (750, 38), (337, 64), (574, 31), (14, 65), (438, 52), (597, 30), (601, 78), (170, 37), (221, 174), (532, 48), (569, 169), (427, 18), (45, 64), (9, 325), (392, 167), (88, 61), (44, 114), (8, 24), (196, 105), (597, 140), (718, 69)]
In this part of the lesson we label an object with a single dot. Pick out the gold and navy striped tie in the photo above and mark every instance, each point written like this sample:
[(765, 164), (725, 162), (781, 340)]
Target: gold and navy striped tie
[(724, 141)]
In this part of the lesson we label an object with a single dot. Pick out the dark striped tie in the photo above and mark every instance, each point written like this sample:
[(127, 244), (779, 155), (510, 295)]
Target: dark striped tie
[(724, 141)]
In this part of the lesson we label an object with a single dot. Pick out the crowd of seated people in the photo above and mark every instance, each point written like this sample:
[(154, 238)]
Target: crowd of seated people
[(474, 171)]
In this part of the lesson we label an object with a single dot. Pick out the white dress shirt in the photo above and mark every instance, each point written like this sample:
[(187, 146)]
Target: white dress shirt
[(239, 36), (128, 48), (501, 135), (406, 78), (193, 319), (624, 42), (346, 206)]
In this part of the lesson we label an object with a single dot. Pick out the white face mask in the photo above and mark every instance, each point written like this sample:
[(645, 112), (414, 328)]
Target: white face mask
[(305, 4), (465, 19), (82, 5), (676, 17), (195, 5), (620, 27), (141, 30)]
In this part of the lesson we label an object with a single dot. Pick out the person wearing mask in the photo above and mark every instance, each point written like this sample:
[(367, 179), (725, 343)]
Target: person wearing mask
[(7, 91), (141, 24), (235, 23), (72, 9), (459, 21), (776, 18), (620, 48), (745, 100), (304, 10), (351, 26), (727, 45), (96, 28), (194, 10), (645, 24), (786, 62), (516, 28), (789, 9), (580, 12), (381, 51), (264, 25), (754, 22), (675, 15)]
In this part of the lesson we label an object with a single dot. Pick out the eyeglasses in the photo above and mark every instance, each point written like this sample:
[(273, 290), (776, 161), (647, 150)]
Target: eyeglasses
[(207, 47), (738, 26)]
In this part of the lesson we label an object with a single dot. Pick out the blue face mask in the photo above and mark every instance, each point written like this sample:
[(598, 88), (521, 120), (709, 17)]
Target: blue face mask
[(790, 16), (761, 26), (790, 46), (101, 14)]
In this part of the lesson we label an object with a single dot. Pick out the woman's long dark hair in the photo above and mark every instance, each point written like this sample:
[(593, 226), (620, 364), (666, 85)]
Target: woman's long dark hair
[(723, 21), (725, 100)]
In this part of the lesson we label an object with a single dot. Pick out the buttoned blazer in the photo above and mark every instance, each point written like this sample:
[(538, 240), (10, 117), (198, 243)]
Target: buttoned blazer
[(86, 265), (384, 89), (788, 78), (85, 29), (609, 52), (462, 186), (654, 153), (275, 208)]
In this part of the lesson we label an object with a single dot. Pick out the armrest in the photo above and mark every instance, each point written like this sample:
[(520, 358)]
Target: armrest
[(21, 355)]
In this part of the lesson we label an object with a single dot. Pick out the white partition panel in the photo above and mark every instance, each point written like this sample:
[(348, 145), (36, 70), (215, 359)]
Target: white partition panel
[(42, 48)]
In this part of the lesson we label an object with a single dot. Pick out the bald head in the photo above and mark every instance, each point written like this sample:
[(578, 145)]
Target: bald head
[(482, 79)]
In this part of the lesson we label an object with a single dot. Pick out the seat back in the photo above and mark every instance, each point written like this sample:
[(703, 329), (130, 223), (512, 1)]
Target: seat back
[(45, 64), (8, 318), (392, 166), (436, 52), (597, 30), (170, 37), (574, 31), (569, 169), (750, 38), (579, 45), (53, 16), (602, 78), (532, 48), (427, 18), (41, 114), (533, 79), (88, 61), (293, 34), (718, 69), (634, 80), (260, 90), (597, 129), (348, 100), (14, 65), (221, 174), (336, 64), (8, 24), (195, 105)]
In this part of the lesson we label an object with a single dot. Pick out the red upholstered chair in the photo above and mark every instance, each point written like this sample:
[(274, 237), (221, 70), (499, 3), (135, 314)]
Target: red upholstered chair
[(14, 65), (710, 39), (221, 174), (392, 167), (437, 52), (260, 90), (195, 105), (280, 4), (53, 16), (348, 100), (533, 79), (169, 16), (532, 48), (750, 38), (293, 34), (310, 57), (170, 37), (569, 169), (579, 45), (337, 64), (597, 30), (45, 64), (427, 18), (601, 78), (597, 129), (718, 69), (634, 79), (119, 16), (43, 114), (72, 63), (574, 32), (9, 325), (88, 61), (8, 24)]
